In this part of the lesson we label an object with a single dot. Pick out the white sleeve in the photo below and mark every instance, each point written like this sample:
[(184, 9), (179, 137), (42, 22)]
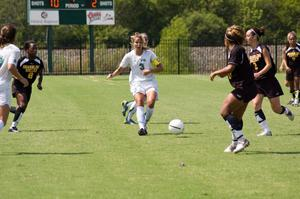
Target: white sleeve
[(14, 56), (153, 56), (125, 61)]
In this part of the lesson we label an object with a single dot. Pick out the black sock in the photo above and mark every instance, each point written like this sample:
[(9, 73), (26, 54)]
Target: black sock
[(18, 113)]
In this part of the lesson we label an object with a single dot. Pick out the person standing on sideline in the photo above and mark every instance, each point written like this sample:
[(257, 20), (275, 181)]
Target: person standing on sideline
[(9, 54), (143, 85), (291, 60), (241, 78), (264, 70), (29, 66)]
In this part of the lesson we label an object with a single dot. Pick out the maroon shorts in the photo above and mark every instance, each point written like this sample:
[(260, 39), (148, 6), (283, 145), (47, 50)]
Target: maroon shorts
[(269, 87), (245, 94)]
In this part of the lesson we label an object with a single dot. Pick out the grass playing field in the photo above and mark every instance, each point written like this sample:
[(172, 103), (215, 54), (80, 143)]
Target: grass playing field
[(74, 144)]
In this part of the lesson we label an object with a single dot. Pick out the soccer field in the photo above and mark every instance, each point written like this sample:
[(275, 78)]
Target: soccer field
[(74, 144)]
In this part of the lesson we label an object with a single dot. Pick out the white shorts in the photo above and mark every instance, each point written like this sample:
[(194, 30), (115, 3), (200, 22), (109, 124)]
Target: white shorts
[(5, 95), (144, 87)]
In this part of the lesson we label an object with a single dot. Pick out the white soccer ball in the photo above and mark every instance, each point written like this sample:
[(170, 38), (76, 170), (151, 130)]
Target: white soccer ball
[(176, 126)]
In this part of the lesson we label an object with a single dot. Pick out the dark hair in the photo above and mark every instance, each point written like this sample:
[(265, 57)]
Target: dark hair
[(258, 31), (235, 34), (7, 34), (27, 44)]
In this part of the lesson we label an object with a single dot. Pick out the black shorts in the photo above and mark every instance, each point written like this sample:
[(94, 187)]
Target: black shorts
[(289, 76), (296, 71), (269, 87), (26, 91), (245, 94)]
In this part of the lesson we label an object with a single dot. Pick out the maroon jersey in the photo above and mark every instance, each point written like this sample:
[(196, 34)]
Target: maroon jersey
[(242, 74), (29, 69), (258, 62), (293, 56)]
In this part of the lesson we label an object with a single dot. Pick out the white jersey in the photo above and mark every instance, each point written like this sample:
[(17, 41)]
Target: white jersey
[(138, 64), (8, 55)]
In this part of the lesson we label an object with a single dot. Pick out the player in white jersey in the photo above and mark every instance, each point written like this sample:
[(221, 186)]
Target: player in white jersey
[(130, 105), (9, 54), (143, 85)]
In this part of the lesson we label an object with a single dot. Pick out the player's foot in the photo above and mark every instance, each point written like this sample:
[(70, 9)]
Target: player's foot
[(295, 103), (13, 129), (231, 147), (290, 115), (242, 144), (130, 122), (265, 133), (124, 107), (142, 132)]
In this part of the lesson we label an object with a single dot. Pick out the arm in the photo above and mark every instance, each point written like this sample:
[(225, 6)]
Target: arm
[(158, 68), (284, 61), (40, 79), (17, 75), (267, 58), (117, 72), (222, 72)]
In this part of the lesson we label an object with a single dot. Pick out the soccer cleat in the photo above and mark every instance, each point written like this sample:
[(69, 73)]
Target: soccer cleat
[(242, 144), (291, 101), (231, 147), (13, 130), (142, 132), (290, 115), (130, 122), (295, 103), (124, 107), (265, 133)]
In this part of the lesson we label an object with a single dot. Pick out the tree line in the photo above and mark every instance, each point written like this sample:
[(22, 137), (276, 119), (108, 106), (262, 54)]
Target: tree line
[(201, 20)]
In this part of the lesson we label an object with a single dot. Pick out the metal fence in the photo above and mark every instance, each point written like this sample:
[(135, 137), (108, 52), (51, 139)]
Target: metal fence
[(177, 56)]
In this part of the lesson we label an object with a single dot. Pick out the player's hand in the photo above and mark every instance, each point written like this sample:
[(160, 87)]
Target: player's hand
[(39, 86), (24, 81), (146, 72), (288, 69), (212, 76), (256, 76), (109, 76)]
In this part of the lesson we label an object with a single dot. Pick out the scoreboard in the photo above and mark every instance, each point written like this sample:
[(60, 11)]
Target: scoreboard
[(56, 12)]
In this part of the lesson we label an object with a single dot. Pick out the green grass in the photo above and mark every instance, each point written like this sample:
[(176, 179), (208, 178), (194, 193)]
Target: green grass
[(74, 144)]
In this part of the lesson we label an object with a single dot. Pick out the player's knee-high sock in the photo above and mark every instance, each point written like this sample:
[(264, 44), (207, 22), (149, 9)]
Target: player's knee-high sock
[(1, 125), (18, 115), (236, 127), (149, 112), (132, 110), (140, 116), (297, 96), (261, 119)]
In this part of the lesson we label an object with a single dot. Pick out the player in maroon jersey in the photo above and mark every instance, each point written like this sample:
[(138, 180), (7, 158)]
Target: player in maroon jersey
[(29, 66), (291, 61), (241, 78), (267, 85)]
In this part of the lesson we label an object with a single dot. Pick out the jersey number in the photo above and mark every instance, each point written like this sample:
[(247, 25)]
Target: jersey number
[(30, 75)]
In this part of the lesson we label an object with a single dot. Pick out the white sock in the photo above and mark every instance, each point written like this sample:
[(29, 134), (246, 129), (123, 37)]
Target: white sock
[(149, 112), (15, 123), (264, 126), (140, 116), (238, 134), (1, 125)]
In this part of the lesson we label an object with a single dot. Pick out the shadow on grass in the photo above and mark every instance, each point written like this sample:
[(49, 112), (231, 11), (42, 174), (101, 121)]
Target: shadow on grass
[(183, 135), (52, 130), (169, 122), (289, 134), (272, 152), (45, 153)]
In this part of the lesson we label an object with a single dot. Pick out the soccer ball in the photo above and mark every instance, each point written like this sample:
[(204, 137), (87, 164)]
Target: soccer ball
[(176, 126)]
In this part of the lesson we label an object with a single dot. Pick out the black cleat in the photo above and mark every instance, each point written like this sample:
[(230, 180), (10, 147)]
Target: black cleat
[(142, 132)]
